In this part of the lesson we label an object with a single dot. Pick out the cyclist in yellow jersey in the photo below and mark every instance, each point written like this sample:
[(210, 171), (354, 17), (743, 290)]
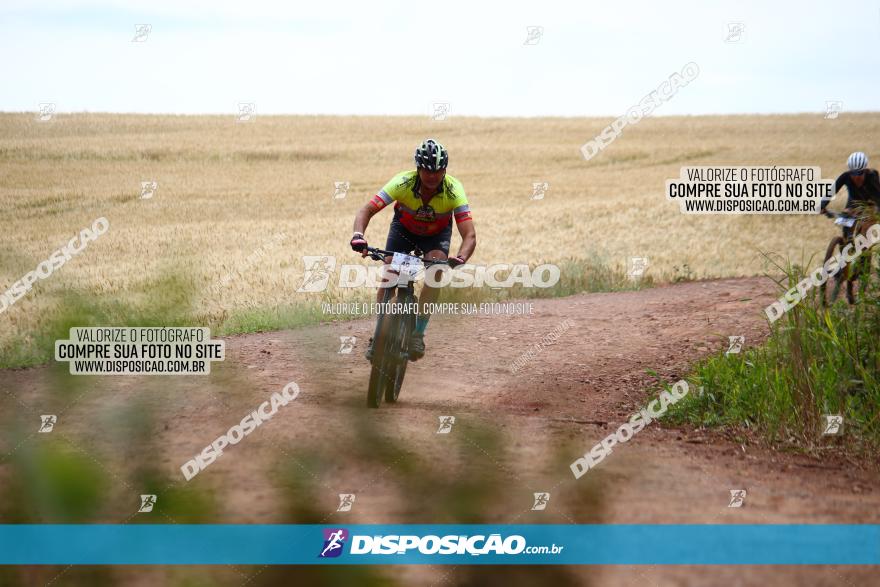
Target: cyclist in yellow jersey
[(426, 199)]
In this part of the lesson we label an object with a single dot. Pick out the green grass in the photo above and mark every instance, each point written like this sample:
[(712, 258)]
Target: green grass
[(576, 276), (168, 301), (816, 362), (165, 301)]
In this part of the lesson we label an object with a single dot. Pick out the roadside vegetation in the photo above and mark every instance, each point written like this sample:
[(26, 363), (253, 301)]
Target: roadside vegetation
[(818, 363)]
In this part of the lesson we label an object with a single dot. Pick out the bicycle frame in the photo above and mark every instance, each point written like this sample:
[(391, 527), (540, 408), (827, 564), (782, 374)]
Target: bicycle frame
[(861, 216), (392, 337)]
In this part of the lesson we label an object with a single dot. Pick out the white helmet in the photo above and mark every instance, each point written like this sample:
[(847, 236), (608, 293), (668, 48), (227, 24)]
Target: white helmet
[(857, 161)]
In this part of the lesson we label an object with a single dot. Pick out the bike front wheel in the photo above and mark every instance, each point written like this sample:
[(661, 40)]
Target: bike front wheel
[(834, 248), (403, 328), (390, 354)]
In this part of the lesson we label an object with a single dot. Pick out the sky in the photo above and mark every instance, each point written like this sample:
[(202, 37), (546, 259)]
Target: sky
[(401, 58)]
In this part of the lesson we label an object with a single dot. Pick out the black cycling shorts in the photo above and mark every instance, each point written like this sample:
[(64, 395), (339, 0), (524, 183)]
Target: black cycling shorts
[(400, 240)]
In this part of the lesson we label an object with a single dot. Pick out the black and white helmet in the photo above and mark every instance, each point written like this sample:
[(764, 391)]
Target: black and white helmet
[(857, 161), (431, 156)]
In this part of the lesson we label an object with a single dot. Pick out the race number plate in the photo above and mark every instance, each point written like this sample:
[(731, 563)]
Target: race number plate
[(406, 264), (848, 222)]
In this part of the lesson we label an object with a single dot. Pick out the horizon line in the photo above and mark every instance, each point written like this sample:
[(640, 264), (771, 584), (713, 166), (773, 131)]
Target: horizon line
[(450, 117)]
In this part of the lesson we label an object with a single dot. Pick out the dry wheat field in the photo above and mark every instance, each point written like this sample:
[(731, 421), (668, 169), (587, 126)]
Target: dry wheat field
[(239, 203)]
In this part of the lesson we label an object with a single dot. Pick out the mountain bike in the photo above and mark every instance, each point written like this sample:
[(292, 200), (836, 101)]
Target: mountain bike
[(858, 222), (391, 339)]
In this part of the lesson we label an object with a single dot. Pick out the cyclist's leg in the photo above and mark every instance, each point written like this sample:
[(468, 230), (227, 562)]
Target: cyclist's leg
[(437, 248), (431, 291)]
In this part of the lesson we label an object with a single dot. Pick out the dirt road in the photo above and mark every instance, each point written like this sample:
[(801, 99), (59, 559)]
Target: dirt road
[(513, 435)]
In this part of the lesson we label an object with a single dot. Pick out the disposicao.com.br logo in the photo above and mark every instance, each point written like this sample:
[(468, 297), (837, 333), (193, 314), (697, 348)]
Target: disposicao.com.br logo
[(334, 542), (319, 272), (430, 544)]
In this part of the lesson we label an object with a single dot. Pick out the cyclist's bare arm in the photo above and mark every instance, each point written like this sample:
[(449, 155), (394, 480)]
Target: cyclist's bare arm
[(837, 185), (362, 218), (468, 239)]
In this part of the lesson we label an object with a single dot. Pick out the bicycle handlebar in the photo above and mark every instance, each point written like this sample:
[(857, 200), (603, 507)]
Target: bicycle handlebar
[(380, 254)]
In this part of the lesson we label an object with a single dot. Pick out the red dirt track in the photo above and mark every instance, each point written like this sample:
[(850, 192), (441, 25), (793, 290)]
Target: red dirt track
[(571, 395)]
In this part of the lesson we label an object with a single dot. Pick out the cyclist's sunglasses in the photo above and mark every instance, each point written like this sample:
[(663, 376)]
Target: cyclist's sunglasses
[(857, 173)]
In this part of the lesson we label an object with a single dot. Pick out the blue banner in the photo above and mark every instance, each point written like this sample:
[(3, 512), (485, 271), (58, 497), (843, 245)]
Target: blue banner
[(173, 544)]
